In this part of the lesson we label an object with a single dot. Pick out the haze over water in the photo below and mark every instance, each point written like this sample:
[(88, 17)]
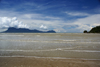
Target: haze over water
[(58, 45)]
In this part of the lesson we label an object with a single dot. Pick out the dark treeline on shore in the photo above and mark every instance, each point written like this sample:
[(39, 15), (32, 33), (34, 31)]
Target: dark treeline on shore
[(93, 30)]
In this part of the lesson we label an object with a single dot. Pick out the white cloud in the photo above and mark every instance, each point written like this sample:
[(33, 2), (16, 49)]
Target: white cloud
[(88, 22), (39, 16), (36, 24), (6, 22), (43, 27), (78, 25), (35, 21), (77, 14)]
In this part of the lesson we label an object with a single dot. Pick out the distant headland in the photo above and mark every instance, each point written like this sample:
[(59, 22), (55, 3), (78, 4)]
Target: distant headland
[(25, 30), (93, 30)]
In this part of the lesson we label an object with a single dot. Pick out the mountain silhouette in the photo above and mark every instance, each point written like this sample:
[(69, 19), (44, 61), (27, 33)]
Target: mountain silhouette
[(25, 30)]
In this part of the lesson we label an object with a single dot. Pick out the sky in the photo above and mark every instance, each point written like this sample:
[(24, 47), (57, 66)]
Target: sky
[(63, 16)]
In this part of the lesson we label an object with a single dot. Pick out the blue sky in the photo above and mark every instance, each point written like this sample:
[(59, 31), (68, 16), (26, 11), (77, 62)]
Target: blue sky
[(71, 16)]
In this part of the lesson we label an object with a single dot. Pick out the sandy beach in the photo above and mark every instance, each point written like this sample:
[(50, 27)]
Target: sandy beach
[(49, 50), (46, 62)]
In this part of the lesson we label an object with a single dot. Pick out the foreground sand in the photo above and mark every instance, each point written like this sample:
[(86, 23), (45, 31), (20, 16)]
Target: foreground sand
[(46, 62)]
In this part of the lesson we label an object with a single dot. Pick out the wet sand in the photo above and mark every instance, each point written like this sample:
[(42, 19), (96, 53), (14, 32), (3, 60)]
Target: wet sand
[(46, 62)]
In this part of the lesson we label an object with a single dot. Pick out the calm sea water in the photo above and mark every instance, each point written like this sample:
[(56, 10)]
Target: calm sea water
[(62, 45)]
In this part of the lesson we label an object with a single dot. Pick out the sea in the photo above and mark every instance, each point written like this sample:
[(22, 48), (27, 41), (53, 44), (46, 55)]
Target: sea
[(50, 45)]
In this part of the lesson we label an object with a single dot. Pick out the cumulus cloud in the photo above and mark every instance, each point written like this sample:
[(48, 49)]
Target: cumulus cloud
[(43, 27), (6, 22)]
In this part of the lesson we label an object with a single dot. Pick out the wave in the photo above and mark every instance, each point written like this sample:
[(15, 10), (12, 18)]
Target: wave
[(49, 57), (51, 41), (52, 50)]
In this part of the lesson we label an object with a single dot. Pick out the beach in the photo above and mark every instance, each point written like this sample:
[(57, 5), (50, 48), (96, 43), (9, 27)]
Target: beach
[(46, 62), (49, 50)]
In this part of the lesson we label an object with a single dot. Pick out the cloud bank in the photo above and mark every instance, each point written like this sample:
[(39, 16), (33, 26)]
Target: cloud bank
[(42, 22), (6, 22), (71, 26)]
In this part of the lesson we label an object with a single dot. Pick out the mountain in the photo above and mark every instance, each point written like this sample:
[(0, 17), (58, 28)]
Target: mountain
[(25, 30), (94, 30)]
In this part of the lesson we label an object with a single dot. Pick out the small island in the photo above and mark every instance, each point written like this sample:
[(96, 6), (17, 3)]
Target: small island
[(25, 30), (93, 30)]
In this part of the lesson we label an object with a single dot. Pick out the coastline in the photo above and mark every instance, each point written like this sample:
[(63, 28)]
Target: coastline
[(49, 50)]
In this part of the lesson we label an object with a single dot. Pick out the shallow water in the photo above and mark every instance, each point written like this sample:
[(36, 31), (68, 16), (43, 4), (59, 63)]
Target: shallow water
[(63, 45)]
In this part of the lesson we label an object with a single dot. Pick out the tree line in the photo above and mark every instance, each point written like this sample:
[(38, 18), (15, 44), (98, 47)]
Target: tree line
[(93, 30)]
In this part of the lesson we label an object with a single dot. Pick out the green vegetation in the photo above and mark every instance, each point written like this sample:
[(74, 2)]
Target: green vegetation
[(85, 31), (94, 30)]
